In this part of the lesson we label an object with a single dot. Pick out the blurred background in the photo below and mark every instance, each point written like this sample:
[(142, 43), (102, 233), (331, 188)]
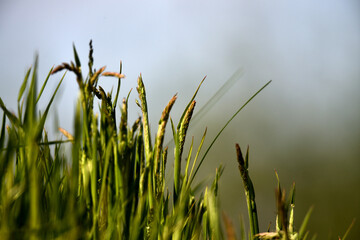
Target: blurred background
[(304, 125)]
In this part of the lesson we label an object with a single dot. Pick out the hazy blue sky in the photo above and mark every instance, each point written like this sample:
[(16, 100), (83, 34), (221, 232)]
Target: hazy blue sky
[(310, 49)]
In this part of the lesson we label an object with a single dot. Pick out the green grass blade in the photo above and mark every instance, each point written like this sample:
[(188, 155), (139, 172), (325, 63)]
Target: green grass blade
[(76, 57), (242, 228), (118, 87), (190, 103), (23, 85), (44, 84), (103, 189), (177, 166), (291, 205), (305, 236), (188, 159), (213, 214), (13, 119), (94, 170), (5, 158), (2, 133), (215, 185), (44, 116), (303, 226), (227, 123), (246, 163), (76, 149), (348, 230), (196, 156), (30, 107), (214, 98)]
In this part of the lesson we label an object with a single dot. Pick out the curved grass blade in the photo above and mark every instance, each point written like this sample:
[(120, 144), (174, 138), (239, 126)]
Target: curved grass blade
[(13, 119), (227, 123), (302, 230), (215, 98), (176, 167), (211, 102), (197, 154), (213, 213), (118, 87), (348, 230), (190, 103), (30, 107), (2, 132), (76, 56), (188, 162), (43, 86), (23, 85), (43, 118)]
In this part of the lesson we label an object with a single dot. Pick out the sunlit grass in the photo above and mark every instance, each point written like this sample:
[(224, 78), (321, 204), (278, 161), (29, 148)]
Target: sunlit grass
[(113, 186)]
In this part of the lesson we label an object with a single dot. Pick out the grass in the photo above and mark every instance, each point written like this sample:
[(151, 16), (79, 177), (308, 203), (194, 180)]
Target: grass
[(114, 187)]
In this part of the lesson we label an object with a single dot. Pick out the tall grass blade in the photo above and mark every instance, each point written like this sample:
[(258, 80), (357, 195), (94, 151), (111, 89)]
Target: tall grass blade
[(302, 230), (118, 87), (190, 103), (213, 99), (226, 124), (249, 193), (76, 56), (44, 116), (349, 229), (291, 204), (212, 210), (188, 162), (242, 228), (176, 162), (13, 119), (239, 73), (2, 133), (196, 156), (44, 84), (30, 109), (23, 85)]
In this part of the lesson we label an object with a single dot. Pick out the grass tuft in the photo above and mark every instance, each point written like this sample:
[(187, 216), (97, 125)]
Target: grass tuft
[(113, 186)]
